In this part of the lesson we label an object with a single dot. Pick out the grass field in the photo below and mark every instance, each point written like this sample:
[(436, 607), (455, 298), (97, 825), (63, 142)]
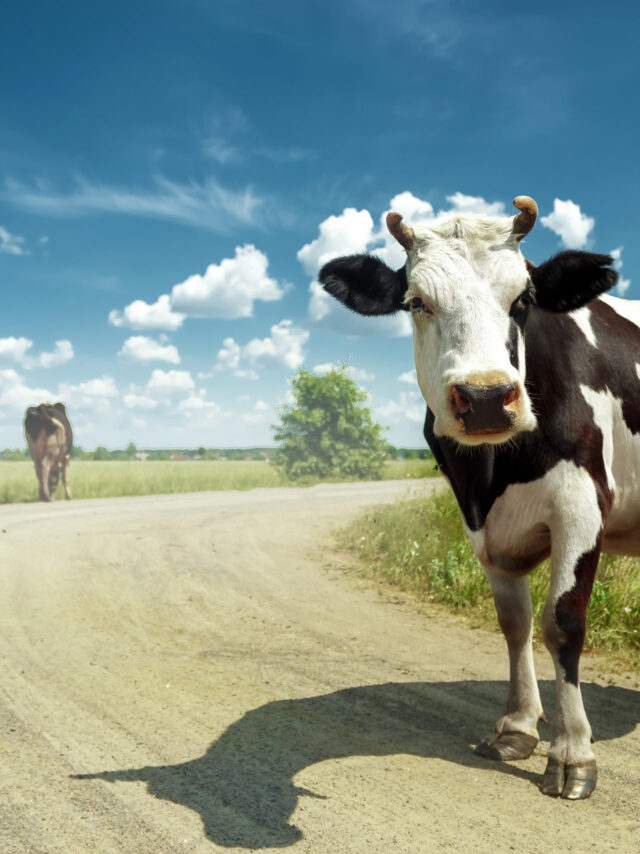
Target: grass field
[(419, 546), (92, 479)]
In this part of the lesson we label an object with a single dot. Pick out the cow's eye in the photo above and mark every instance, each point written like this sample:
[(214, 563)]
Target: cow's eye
[(418, 307), (522, 303)]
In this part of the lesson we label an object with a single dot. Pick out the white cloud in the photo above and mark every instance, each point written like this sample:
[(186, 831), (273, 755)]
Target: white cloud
[(15, 396), (140, 348), (350, 232), (14, 348), (569, 223), (284, 347), (139, 401), (62, 353), (11, 244), (94, 395), (168, 382), (475, 205), (228, 289), (142, 315), (623, 284), (17, 349), (409, 377), (410, 404), (207, 205), (261, 413)]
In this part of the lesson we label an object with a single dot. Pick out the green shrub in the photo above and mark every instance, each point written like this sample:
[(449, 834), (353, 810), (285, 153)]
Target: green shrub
[(327, 431)]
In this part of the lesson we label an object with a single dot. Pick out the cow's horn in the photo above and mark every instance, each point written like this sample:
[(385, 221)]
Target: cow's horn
[(524, 221), (402, 233)]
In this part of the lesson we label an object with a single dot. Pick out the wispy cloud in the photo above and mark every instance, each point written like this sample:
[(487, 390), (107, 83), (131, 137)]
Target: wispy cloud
[(206, 205)]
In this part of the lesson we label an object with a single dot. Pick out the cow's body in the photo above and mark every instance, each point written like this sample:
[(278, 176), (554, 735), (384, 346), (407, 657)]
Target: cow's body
[(49, 438), (533, 415)]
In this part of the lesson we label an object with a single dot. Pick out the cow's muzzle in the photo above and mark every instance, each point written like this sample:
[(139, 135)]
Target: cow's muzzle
[(485, 409)]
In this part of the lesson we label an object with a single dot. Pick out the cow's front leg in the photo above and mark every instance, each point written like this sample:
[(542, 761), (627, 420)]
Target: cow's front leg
[(516, 733), (571, 768), (65, 468)]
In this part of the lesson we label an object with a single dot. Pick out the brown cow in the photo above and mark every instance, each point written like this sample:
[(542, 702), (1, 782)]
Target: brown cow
[(49, 438)]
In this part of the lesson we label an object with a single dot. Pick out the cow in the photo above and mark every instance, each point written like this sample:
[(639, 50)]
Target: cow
[(50, 438), (531, 376)]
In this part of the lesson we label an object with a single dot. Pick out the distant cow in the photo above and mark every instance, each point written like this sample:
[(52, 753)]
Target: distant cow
[(49, 438), (532, 384)]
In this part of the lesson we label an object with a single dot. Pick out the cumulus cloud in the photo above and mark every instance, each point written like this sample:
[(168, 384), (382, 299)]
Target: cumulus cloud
[(16, 396), (260, 413), (228, 290), (143, 315), (475, 205), (623, 284), (170, 382), (409, 377), (410, 404), (350, 232), (94, 395), (12, 244), (285, 346), (17, 350), (139, 401), (569, 223), (14, 349), (140, 348), (62, 353)]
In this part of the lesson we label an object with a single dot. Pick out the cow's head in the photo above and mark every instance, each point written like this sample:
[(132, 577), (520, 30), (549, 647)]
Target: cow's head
[(469, 291)]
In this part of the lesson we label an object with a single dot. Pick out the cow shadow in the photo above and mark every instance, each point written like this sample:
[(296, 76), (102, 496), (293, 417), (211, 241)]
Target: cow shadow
[(243, 787)]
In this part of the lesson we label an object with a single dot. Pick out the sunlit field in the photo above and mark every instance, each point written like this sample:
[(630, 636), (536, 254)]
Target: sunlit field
[(108, 479)]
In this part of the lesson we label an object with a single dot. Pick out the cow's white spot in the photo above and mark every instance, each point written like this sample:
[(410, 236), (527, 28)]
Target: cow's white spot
[(582, 317)]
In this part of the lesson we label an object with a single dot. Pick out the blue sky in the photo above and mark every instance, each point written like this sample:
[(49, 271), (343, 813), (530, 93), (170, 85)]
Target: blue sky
[(173, 173)]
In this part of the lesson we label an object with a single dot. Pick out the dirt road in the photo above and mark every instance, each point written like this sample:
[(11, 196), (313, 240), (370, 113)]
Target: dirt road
[(184, 674)]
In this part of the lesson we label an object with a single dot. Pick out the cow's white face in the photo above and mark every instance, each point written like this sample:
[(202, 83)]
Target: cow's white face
[(468, 288), (465, 277)]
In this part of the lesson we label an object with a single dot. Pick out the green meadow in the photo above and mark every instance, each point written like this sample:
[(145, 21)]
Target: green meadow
[(419, 546), (109, 479)]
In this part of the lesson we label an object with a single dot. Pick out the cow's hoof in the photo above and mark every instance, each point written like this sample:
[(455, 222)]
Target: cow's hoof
[(573, 782), (507, 745)]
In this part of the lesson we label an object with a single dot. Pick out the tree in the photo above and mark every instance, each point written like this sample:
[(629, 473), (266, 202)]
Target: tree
[(131, 451), (327, 431), (101, 453)]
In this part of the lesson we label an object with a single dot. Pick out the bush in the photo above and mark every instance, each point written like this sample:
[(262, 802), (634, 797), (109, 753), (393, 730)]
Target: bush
[(328, 432)]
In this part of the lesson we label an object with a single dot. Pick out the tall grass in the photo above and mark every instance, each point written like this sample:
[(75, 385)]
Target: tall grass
[(419, 546), (108, 479)]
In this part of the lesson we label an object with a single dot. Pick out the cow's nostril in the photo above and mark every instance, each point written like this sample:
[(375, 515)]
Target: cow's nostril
[(511, 397), (460, 402)]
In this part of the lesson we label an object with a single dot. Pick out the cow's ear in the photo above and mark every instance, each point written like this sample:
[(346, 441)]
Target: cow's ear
[(365, 284), (571, 279)]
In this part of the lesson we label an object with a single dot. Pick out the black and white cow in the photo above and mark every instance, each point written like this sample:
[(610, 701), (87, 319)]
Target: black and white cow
[(532, 384)]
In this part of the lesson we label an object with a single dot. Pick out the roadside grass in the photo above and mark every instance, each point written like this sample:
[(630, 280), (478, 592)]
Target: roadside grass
[(108, 479), (419, 546)]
